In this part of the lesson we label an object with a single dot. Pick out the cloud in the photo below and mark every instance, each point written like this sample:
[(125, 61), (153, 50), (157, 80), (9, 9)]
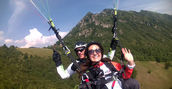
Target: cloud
[(35, 39), (8, 41), (1, 35), (163, 6), (18, 6), (160, 6)]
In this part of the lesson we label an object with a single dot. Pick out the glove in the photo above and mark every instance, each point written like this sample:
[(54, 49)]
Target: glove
[(114, 43), (74, 68), (57, 58)]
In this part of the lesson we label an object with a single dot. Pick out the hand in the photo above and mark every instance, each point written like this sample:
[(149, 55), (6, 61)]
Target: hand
[(128, 56), (57, 58)]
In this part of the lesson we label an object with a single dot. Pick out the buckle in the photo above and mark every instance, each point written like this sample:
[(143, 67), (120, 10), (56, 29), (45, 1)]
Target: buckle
[(85, 77)]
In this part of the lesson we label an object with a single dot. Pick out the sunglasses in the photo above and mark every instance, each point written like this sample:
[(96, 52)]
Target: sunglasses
[(79, 49), (92, 51)]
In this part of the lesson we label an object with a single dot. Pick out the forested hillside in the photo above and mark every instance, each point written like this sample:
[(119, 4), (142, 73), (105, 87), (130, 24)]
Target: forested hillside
[(20, 70)]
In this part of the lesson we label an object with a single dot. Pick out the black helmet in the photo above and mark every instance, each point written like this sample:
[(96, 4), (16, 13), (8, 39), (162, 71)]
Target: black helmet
[(80, 44)]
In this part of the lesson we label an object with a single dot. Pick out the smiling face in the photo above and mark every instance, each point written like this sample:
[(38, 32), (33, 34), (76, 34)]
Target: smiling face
[(80, 52), (94, 53)]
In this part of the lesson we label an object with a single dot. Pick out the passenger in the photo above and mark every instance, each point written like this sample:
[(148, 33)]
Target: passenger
[(102, 73)]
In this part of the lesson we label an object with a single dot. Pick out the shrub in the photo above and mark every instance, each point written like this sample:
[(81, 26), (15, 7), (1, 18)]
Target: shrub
[(149, 71), (167, 65)]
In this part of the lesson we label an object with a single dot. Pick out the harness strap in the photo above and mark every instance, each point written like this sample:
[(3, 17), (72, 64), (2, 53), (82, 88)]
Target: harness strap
[(110, 66), (88, 84), (102, 81), (85, 79), (113, 84), (119, 74)]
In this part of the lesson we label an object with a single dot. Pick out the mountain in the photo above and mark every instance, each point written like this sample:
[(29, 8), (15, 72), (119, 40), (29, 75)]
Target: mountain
[(148, 34)]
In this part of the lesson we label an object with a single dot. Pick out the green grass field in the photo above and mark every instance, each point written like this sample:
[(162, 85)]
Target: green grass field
[(153, 75), (41, 52)]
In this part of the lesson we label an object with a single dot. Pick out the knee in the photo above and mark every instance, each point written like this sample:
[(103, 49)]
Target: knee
[(131, 84)]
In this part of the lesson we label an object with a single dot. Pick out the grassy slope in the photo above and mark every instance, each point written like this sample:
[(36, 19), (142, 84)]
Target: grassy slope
[(41, 52), (152, 75), (157, 78)]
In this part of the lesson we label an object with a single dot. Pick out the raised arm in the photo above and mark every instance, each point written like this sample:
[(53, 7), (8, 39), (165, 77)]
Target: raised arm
[(128, 56), (112, 50), (60, 69)]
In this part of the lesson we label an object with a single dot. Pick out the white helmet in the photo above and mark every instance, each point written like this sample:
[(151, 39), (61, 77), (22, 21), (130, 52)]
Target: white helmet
[(80, 44)]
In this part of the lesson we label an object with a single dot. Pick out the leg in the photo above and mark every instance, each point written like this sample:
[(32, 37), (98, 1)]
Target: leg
[(131, 84)]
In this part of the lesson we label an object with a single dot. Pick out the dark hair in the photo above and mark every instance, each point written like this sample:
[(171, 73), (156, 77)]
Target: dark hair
[(94, 43)]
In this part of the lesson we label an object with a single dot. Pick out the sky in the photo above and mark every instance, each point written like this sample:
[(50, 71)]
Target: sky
[(23, 26)]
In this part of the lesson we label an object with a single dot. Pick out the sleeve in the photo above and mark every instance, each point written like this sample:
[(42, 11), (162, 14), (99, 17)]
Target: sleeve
[(110, 54), (65, 73), (128, 70)]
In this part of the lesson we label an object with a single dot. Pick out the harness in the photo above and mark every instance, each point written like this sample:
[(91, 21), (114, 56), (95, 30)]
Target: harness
[(94, 78)]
